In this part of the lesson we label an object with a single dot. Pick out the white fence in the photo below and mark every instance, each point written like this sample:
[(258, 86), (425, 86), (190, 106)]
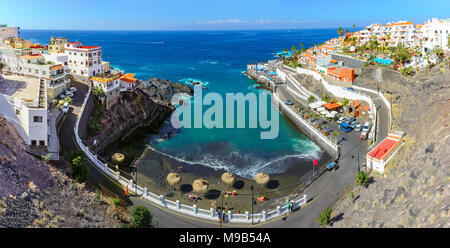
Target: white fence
[(210, 214), (345, 93)]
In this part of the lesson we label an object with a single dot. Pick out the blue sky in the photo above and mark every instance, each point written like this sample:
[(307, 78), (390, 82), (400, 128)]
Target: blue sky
[(213, 14)]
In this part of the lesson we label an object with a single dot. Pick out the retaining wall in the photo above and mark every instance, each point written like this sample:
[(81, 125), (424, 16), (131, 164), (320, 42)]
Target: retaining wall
[(321, 140)]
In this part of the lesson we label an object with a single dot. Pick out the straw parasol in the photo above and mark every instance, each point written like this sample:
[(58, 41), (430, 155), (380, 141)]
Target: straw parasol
[(118, 157), (173, 178), (262, 178), (228, 178), (200, 186)]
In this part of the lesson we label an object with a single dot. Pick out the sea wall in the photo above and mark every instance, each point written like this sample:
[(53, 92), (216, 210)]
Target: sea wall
[(311, 132)]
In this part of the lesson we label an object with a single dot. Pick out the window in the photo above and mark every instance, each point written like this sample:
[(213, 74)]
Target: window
[(33, 142), (70, 53), (41, 142), (17, 112), (37, 118)]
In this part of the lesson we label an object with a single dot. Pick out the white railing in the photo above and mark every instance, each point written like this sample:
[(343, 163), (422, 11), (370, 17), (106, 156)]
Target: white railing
[(176, 205), (346, 93)]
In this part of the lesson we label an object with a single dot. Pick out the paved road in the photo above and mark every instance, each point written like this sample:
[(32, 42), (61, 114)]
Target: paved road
[(68, 144)]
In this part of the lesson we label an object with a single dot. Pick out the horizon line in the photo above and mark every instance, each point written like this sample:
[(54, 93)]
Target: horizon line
[(181, 30)]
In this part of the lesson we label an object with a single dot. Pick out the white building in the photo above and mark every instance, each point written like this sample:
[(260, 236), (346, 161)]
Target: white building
[(435, 32), (8, 32), (110, 84), (380, 155), (83, 61), (51, 71), (29, 103), (128, 82)]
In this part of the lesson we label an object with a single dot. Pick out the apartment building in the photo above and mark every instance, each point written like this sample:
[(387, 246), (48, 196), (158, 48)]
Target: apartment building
[(56, 45), (83, 61), (110, 84), (435, 32), (8, 32), (128, 82), (28, 106), (51, 71)]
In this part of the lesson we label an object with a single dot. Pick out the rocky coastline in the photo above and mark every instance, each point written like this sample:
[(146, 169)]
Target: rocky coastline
[(135, 114)]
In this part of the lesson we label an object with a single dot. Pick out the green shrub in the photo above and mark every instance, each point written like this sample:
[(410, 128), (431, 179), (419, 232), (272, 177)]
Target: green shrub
[(407, 71), (94, 127), (325, 217), (362, 178), (80, 170), (141, 217)]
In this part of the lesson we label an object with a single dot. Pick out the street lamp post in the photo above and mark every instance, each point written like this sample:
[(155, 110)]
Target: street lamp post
[(251, 187), (221, 212)]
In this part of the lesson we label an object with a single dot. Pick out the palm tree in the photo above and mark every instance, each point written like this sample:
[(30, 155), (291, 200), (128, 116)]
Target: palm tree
[(417, 53), (293, 48), (340, 31), (439, 52), (97, 91), (354, 26), (401, 54)]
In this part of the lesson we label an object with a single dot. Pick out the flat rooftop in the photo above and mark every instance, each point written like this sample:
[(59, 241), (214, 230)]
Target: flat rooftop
[(382, 150), (22, 87)]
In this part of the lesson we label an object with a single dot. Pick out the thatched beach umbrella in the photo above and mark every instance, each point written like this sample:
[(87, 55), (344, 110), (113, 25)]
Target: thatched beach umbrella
[(262, 178), (118, 157), (228, 178), (173, 179), (200, 186)]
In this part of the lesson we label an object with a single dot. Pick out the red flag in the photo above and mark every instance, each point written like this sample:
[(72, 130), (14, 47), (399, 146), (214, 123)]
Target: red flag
[(126, 191), (315, 161)]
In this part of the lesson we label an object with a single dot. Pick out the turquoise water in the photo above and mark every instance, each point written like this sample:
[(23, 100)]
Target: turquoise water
[(216, 59), (383, 61)]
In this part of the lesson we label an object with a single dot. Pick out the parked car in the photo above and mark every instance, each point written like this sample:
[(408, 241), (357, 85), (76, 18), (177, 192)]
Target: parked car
[(366, 127), (345, 127), (353, 124), (351, 89), (358, 127), (342, 119), (332, 165), (288, 102), (364, 135), (69, 95), (72, 89), (351, 119), (62, 96), (65, 107)]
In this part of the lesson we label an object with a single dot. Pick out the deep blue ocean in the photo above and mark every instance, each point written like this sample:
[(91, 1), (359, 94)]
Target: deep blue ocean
[(215, 58)]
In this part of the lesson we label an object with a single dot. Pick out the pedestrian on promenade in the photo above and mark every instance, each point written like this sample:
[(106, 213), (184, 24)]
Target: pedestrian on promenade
[(218, 215)]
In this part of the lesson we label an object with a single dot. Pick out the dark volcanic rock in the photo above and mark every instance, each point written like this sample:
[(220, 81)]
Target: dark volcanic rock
[(146, 109)]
